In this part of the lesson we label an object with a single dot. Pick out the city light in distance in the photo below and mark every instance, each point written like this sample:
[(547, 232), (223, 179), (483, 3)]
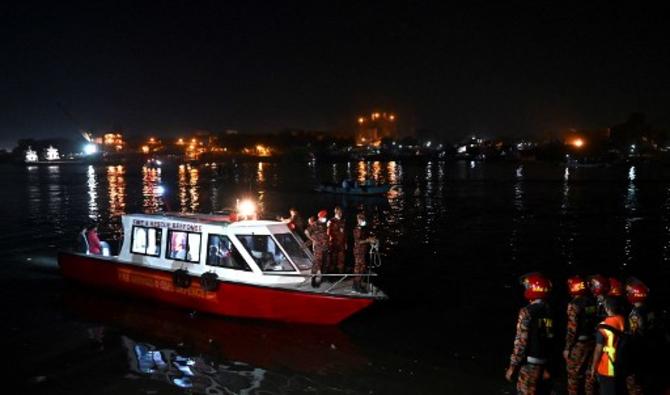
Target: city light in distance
[(90, 149)]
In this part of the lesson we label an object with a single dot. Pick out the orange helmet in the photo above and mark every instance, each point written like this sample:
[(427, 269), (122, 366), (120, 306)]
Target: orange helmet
[(599, 285), (616, 287), (323, 214), (537, 286), (636, 291), (577, 286)]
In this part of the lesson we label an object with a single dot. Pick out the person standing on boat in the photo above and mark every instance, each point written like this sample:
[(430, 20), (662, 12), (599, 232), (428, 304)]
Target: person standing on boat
[(362, 241), (534, 333), (316, 232), (337, 242), (94, 244), (295, 222), (579, 340)]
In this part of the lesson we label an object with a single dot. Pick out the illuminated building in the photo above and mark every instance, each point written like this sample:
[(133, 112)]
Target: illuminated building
[(52, 153), (113, 141), (375, 127)]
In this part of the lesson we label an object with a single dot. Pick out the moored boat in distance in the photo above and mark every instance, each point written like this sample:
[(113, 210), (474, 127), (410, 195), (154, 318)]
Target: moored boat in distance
[(207, 262), (359, 190)]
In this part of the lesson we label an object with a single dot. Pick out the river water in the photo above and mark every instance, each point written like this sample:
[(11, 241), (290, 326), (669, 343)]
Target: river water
[(455, 238)]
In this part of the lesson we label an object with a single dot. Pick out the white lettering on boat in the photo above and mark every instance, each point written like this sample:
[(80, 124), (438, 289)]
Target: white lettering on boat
[(169, 225)]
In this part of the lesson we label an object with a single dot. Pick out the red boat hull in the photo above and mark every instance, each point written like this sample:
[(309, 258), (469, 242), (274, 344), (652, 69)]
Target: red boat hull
[(230, 299)]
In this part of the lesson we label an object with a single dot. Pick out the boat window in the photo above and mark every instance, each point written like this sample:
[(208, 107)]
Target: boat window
[(146, 241), (294, 249), (222, 253), (267, 254), (184, 246)]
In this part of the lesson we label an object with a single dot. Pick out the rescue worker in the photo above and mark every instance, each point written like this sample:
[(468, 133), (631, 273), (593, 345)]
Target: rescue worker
[(534, 334), (616, 291), (640, 322), (362, 241), (616, 288), (600, 287), (337, 242), (604, 356), (579, 340), (294, 222), (316, 232)]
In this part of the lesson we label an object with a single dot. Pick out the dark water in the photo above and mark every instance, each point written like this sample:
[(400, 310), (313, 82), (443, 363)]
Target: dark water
[(456, 236)]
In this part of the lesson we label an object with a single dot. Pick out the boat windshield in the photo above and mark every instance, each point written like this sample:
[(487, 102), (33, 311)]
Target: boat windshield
[(294, 249), (266, 252)]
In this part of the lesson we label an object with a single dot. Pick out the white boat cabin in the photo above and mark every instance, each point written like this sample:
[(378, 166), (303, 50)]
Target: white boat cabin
[(258, 252)]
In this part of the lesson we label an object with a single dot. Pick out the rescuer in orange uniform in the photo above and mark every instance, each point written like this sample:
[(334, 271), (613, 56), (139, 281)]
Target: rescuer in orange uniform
[(579, 340), (605, 355), (337, 242), (534, 334)]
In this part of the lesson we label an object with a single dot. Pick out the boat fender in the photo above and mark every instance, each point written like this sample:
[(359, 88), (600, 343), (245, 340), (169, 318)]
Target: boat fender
[(209, 282), (181, 279)]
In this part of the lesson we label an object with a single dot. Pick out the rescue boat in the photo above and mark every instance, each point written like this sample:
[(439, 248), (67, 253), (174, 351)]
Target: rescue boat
[(254, 269)]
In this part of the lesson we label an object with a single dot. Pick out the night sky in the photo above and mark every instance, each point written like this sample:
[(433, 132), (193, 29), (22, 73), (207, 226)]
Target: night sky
[(169, 67)]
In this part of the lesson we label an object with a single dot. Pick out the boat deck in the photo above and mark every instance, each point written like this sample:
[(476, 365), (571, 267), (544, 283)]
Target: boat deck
[(338, 286)]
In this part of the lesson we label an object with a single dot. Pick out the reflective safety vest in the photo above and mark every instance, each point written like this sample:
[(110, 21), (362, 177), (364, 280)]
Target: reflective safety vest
[(608, 357)]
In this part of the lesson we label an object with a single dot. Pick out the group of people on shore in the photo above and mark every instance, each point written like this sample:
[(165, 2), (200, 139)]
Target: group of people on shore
[(606, 343), (328, 240)]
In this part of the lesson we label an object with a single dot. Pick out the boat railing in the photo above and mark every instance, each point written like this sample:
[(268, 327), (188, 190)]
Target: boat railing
[(342, 277)]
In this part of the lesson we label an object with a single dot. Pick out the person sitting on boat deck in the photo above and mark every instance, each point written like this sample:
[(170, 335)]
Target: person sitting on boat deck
[(95, 246), (362, 241), (219, 254), (337, 242), (82, 240), (316, 232)]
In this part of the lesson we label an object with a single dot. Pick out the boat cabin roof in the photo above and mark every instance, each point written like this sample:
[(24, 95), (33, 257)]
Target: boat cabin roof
[(213, 219)]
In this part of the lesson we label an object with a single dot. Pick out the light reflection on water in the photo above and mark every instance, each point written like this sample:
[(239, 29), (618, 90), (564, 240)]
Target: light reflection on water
[(567, 235), (457, 224), (630, 205), (152, 190), (92, 194), (431, 204), (518, 218), (193, 373)]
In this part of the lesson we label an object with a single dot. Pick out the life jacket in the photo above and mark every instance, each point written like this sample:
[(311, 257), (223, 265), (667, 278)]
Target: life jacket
[(540, 332), (586, 317), (612, 331)]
